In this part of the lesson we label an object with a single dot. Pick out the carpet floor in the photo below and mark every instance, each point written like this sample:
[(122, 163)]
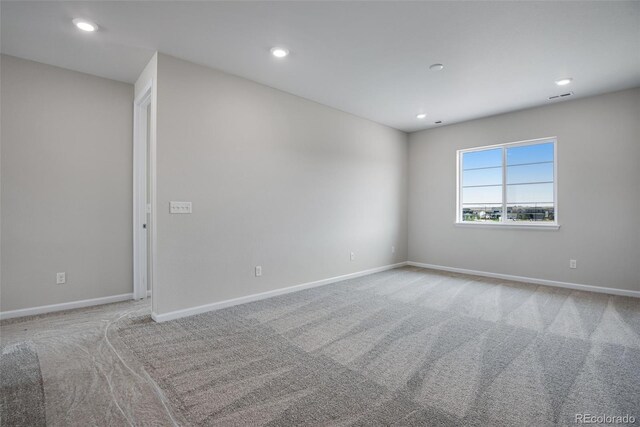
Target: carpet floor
[(403, 347), (22, 394)]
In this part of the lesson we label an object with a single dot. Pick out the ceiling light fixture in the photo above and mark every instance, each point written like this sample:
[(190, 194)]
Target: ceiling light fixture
[(436, 67), (279, 52), (421, 116), (85, 25), (565, 81)]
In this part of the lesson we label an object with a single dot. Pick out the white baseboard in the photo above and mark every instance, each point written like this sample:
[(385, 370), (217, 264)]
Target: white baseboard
[(64, 306), (264, 295), (568, 285)]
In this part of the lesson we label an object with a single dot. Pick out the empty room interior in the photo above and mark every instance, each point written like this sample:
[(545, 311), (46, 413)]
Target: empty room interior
[(318, 213)]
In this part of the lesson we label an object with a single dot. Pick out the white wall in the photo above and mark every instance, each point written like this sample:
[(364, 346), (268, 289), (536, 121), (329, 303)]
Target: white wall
[(275, 180), (598, 195), (66, 185)]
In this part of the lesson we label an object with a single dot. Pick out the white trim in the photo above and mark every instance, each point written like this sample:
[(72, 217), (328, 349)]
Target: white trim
[(153, 189), (145, 95), (553, 283), (525, 226), (142, 170), (556, 209), (504, 146), (508, 144), (263, 295), (63, 306), (458, 192)]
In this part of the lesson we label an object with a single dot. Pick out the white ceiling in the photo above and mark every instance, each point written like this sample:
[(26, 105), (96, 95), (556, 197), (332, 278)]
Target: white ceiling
[(367, 58)]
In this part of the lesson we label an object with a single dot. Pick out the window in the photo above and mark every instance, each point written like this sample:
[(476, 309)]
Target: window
[(508, 184)]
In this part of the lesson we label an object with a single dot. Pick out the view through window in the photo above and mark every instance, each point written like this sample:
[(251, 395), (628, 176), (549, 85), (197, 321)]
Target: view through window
[(508, 183)]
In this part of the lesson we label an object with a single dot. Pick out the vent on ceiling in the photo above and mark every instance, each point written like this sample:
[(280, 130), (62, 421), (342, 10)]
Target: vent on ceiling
[(562, 95)]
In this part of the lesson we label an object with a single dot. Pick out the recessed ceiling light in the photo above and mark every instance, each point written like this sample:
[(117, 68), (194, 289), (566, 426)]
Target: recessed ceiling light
[(279, 52), (565, 81), (421, 116), (85, 25), (436, 67)]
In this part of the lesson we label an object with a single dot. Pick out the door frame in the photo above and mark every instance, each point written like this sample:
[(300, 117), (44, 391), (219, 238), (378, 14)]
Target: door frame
[(141, 172)]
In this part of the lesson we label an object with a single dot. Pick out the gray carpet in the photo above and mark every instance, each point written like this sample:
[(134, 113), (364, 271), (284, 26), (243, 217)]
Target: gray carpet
[(403, 347), (21, 392)]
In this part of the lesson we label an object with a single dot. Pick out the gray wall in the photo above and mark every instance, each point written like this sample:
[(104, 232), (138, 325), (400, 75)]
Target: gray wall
[(66, 185), (276, 181), (285, 183), (598, 195)]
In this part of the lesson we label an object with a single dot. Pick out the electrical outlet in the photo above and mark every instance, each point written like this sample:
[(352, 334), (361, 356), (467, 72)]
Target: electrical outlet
[(353, 256), (573, 263), (61, 278), (258, 270), (393, 249)]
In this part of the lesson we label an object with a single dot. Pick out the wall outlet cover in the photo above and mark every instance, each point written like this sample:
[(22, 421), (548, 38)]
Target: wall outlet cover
[(180, 207)]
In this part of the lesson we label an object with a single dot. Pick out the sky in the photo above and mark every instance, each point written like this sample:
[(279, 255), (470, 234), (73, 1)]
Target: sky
[(529, 175)]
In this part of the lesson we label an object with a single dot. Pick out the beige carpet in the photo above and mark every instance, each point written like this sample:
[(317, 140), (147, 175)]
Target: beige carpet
[(21, 390), (403, 347)]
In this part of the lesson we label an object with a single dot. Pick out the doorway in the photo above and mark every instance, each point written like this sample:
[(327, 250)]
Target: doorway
[(143, 197)]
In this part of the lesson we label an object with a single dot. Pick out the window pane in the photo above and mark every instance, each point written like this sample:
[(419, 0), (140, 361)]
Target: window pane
[(529, 175), (482, 213), (530, 154), (531, 212), (482, 159), (540, 172), (482, 195), (530, 193), (474, 177)]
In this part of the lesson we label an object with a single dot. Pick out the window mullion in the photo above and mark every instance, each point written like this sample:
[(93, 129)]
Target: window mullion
[(504, 184)]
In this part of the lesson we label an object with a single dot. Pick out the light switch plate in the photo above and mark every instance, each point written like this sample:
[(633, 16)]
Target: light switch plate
[(180, 207)]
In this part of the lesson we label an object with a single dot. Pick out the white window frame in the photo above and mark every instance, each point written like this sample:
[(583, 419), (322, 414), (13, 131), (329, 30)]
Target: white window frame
[(503, 223)]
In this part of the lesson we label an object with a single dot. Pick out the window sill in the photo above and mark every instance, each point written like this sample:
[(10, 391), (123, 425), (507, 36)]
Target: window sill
[(545, 227)]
